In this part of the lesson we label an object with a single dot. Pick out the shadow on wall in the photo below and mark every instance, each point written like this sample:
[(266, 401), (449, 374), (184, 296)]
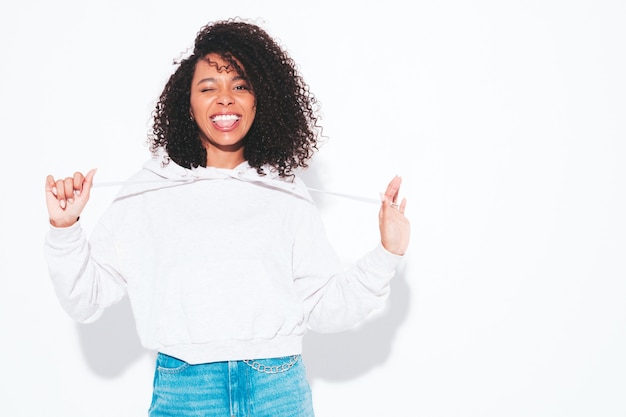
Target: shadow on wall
[(111, 344), (350, 354)]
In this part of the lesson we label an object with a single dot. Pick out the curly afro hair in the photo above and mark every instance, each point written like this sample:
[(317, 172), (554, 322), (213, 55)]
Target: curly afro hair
[(285, 131)]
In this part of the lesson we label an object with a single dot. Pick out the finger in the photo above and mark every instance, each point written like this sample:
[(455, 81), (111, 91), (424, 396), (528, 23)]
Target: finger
[(78, 183), (69, 189), (51, 185), (89, 177), (402, 206), (385, 207), (88, 183), (393, 188), (60, 192)]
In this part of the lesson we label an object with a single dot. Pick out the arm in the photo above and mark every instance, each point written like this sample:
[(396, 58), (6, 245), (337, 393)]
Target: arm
[(337, 299), (84, 286)]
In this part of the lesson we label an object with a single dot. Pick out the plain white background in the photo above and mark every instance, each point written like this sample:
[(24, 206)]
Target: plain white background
[(506, 121)]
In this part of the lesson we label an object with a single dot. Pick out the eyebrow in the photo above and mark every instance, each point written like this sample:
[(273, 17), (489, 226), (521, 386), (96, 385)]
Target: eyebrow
[(211, 79)]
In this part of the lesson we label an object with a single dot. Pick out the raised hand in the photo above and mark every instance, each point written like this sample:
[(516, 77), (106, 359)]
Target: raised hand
[(66, 198), (395, 229)]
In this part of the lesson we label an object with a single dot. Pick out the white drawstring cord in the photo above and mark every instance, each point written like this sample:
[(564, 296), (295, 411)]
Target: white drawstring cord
[(350, 196), (120, 183)]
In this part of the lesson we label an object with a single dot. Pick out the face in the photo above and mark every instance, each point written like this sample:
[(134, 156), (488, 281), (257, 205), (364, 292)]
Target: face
[(223, 106)]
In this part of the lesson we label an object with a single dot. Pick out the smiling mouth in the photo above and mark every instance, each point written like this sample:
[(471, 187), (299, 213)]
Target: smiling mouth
[(225, 121)]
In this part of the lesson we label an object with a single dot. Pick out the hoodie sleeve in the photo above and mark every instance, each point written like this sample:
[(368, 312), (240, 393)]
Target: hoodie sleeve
[(84, 286), (337, 298)]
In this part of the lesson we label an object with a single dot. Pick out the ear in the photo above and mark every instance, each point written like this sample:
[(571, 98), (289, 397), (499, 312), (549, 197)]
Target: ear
[(191, 116)]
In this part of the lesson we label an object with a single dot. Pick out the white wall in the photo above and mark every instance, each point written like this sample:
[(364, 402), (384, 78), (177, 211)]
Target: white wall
[(506, 120)]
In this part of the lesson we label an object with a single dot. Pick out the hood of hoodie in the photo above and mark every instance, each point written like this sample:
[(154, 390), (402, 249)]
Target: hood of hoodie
[(157, 174)]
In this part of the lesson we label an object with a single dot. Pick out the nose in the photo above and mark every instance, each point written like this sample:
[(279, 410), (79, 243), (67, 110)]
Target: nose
[(225, 98)]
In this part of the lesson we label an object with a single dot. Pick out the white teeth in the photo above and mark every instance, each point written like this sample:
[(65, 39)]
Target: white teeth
[(225, 117)]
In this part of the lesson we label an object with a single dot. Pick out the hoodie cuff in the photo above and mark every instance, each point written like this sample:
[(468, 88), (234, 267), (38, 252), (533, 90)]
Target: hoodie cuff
[(65, 235), (382, 255)]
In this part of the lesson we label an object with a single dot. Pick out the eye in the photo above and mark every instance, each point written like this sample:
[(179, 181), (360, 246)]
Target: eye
[(241, 87), (207, 89)]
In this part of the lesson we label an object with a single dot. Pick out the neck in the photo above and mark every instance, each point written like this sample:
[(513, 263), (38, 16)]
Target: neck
[(224, 159)]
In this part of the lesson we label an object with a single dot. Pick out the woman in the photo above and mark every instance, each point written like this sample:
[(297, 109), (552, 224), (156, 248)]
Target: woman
[(216, 242)]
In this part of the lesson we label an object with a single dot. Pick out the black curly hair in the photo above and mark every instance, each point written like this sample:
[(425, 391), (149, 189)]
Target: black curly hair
[(285, 131)]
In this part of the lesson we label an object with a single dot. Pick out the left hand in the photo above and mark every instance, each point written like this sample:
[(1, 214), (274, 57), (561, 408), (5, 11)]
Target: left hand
[(394, 227)]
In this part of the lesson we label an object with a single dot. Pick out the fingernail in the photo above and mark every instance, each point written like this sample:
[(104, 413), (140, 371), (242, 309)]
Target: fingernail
[(77, 192), (62, 204), (70, 200), (54, 190)]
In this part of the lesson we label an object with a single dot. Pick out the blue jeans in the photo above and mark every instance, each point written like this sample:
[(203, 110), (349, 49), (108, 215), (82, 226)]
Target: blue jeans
[(275, 387)]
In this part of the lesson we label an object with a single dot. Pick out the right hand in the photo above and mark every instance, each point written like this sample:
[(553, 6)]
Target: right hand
[(66, 198), (394, 227)]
